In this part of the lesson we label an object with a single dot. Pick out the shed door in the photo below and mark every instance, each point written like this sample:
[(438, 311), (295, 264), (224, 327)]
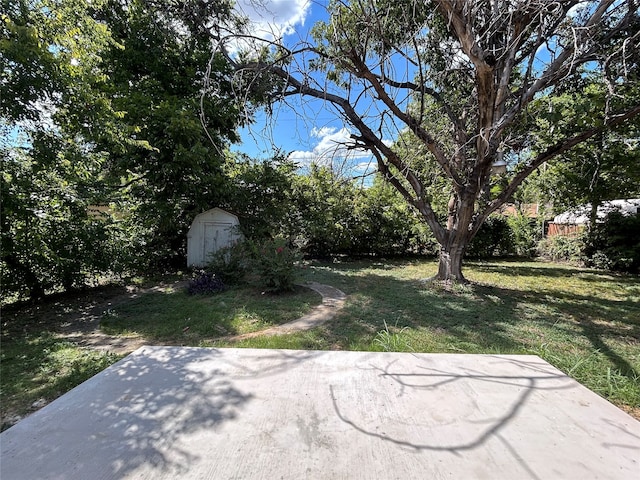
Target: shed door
[(216, 236)]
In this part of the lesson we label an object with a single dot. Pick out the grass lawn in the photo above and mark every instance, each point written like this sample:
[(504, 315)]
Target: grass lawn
[(585, 322), (174, 317), (37, 364)]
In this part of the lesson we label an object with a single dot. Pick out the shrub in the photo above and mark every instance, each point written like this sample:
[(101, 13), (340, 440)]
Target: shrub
[(525, 234), (615, 244), (205, 283), (493, 239), (561, 248), (274, 261), (231, 264)]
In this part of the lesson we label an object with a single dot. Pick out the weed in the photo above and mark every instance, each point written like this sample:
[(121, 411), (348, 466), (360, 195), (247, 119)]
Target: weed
[(392, 340)]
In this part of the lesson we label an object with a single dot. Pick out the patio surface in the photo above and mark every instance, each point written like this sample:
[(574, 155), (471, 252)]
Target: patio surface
[(173, 412)]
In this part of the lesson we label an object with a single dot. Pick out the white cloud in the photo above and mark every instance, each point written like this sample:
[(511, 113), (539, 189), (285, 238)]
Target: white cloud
[(274, 18), (332, 149)]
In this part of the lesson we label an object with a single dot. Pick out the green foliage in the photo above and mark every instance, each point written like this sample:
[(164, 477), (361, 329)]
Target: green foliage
[(458, 86), (493, 239), (525, 234), (615, 243), (231, 264), (102, 105), (262, 194), (336, 216), (385, 225), (275, 262), (50, 239), (157, 80), (562, 248), (606, 167), (325, 219)]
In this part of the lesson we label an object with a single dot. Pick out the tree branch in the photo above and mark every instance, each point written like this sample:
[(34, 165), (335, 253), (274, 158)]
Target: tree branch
[(547, 155)]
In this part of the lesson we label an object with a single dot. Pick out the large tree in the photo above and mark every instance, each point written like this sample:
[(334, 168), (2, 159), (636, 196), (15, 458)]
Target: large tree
[(459, 76), (102, 104), (51, 95), (157, 79), (604, 167)]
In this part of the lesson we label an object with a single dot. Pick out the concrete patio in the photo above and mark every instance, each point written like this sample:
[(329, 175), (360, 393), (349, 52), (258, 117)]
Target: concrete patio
[(172, 412)]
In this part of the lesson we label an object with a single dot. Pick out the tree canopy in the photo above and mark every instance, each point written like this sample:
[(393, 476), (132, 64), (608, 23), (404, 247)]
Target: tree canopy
[(103, 105), (460, 77)]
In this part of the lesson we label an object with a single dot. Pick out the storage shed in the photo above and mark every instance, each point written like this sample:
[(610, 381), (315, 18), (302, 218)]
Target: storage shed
[(209, 232)]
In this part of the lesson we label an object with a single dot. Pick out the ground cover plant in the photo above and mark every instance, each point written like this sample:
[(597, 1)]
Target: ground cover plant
[(585, 322)]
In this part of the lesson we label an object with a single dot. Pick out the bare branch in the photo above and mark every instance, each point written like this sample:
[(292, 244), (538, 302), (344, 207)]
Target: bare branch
[(550, 153)]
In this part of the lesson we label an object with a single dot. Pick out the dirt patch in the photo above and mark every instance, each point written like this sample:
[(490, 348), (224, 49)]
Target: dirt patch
[(76, 316)]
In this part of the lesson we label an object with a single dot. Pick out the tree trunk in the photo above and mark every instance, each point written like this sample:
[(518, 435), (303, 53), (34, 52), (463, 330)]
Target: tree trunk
[(454, 241), (450, 264)]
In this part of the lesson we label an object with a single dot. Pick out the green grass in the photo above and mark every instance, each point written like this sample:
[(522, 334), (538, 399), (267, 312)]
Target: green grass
[(37, 365), (174, 317), (584, 322), (40, 367)]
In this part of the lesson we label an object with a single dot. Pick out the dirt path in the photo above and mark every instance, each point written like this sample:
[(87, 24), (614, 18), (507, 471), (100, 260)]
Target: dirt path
[(84, 329), (332, 302)]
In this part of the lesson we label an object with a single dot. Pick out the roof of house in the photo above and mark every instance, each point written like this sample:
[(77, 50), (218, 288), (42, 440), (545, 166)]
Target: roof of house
[(580, 215)]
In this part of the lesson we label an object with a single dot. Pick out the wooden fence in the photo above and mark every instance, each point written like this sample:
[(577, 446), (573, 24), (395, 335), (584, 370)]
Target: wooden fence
[(567, 230)]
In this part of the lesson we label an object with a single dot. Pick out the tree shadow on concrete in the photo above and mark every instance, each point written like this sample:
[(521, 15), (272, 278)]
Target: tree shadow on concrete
[(131, 417), (487, 419), (524, 385)]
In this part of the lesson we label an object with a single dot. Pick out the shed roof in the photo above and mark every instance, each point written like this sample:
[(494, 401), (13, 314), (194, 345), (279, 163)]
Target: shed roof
[(580, 215)]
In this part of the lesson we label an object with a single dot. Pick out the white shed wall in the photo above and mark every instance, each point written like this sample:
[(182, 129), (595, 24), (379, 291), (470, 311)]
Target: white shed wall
[(209, 232)]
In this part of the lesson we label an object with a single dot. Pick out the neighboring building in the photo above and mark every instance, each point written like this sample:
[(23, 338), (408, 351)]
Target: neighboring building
[(209, 232), (573, 222), (530, 210)]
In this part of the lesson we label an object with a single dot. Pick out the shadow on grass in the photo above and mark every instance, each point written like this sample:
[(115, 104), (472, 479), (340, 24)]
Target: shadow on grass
[(491, 318), (38, 368), (176, 318), (515, 268)]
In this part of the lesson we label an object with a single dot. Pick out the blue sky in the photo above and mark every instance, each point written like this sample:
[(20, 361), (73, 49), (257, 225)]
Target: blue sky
[(309, 130)]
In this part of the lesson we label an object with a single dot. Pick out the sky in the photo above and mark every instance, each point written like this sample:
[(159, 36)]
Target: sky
[(306, 130), (309, 131)]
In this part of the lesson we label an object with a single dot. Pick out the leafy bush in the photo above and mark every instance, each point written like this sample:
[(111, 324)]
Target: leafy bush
[(231, 264), (615, 244), (336, 217), (493, 239), (274, 261), (205, 283), (525, 233), (562, 248)]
